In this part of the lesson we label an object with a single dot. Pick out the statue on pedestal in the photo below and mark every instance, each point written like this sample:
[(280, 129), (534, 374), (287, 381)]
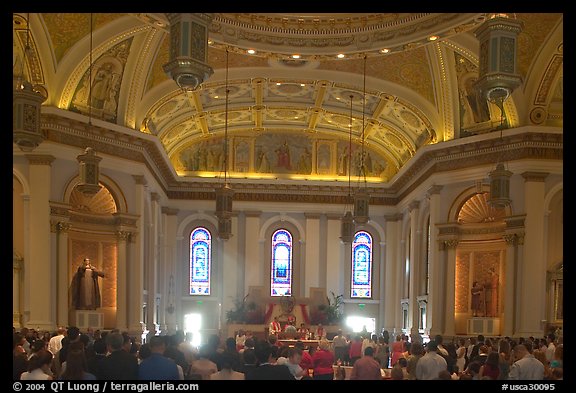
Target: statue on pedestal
[(85, 291)]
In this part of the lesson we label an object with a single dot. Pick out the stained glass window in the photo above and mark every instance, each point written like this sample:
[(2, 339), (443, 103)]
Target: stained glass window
[(281, 275), (361, 265), (200, 260)]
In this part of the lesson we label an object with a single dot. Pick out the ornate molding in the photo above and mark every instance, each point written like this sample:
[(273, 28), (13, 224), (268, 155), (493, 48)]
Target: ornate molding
[(123, 235), (437, 158), (413, 205), (170, 211), (40, 159), (434, 190), (535, 176), (154, 196), (140, 180), (393, 217), (450, 244), (63, 227)]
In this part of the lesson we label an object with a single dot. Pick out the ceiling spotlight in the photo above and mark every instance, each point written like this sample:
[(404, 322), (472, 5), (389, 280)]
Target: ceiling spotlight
[(251, 51), (295, 56), (433, 38), (385, 50), (341, 56)]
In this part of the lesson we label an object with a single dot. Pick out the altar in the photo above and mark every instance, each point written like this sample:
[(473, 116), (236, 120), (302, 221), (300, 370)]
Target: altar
[(307, 343), (484, 325)]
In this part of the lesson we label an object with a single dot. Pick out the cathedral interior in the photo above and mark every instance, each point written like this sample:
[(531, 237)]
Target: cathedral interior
[(203, 159)]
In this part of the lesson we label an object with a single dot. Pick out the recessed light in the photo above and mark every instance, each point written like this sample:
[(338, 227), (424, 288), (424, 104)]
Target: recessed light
[(302, 84), (210, 42), (278, 83), (295, 56), (251, 51), (385, 50), (433, 38), (341, 56)]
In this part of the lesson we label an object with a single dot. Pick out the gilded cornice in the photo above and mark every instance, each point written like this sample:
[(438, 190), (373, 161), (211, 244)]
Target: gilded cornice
[(141, 148)]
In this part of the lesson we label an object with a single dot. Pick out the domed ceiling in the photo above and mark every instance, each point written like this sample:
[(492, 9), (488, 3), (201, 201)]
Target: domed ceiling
[(317, 94)]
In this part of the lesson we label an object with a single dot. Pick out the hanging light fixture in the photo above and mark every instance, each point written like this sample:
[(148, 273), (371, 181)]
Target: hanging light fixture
[(89, 171), (225, 193), (361, 197), (26, 103), (498, 77), (347, 227), (188, 49)]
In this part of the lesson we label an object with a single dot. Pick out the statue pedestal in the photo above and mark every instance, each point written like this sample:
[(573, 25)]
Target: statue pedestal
[(486, 326), (84, 319)]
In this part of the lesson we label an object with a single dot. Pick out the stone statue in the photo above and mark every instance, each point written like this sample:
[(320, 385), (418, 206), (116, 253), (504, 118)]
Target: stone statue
[(85, 290)]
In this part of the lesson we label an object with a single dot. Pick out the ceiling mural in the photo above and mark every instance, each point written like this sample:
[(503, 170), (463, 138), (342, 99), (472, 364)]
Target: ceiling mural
[(315, 81)]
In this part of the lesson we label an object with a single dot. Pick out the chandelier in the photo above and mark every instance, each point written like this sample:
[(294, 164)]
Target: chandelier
[(347, 226), (361, 197), (225, 193), (26, 103), (498, 77), (188, 49)]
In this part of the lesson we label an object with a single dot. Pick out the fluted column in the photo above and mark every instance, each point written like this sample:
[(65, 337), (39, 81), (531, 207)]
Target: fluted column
[(136, 258), (533, 269), (450, 245), (415, 232), (254, 260), (391, 300), (153, 265), (39, 268), (514, 238), (334, 274), (122, 283), (62, 283), (170, 218), (434, 299), (311, 263), (16, 288)]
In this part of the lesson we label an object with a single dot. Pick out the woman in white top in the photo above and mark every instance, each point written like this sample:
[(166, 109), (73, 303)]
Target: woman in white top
[(461, 354), (38, 367)]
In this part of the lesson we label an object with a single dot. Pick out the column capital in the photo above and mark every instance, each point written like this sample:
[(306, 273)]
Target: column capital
[(393, 217), (312, 215), (170, 211), (534, 176), (413, 205), (154, 196), (140, 180), (256, 213), (433, 190), (451, 243), (63, 227), (509, 238), (123, 235), (40, 159)]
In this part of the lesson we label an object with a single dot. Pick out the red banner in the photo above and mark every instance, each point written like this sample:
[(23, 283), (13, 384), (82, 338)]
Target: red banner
[(304, 310), (268, 313)]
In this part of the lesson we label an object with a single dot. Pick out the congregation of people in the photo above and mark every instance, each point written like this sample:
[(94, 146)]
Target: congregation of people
[(69, 354)]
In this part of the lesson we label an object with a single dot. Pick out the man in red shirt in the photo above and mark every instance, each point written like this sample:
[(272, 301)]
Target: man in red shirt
[(366, 368), (274, 328)]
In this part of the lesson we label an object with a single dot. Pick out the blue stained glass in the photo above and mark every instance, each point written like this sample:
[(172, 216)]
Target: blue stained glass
[(200, 261), (281, 264), (361, 285)]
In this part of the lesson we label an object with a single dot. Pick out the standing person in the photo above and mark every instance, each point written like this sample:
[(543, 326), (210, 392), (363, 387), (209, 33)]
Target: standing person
[(366, 368), (228, 372), (461, 354), (76, 368), (157, 366), (39, 367), (85, 289), (55, 343), (397, 350), (323, 360), (491, 368), (119, 365), (340, 344), (265, 370), (416, 352), (477, 290), (320, 332), (355, 349), (274, 329), (430, 365), (526, 366)]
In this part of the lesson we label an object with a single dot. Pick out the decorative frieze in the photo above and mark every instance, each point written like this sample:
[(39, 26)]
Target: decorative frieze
[(170, 211), (535, 176), (40, 159)]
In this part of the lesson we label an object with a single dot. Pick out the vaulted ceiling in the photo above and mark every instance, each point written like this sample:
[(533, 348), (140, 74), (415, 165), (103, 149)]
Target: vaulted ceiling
[(402, 81)]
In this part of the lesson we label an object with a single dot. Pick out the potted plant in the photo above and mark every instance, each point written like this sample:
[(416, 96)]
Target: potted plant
[(238, 313)]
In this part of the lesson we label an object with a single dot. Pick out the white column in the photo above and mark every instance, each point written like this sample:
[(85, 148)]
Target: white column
[(415, 232), (170, 218), (382, 285), (449, 328), (38, 266), (254, 265), (533, 276), (122, 282), (16, 288), (434, 299), (334, 274), (152, 261), (311, 263), (510, 286), (229, 271), (136, 259), (391, 300), (62, 283)]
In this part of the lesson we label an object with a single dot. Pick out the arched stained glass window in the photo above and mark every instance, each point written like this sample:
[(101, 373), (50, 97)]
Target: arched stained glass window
[(200, 261), (361, 265), (281, 275)]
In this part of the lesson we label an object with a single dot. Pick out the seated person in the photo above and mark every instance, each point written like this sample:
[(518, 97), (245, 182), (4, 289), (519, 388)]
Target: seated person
[(303, 331)]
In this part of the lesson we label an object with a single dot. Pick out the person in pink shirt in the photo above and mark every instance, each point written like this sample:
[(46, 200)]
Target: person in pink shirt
[(355, 351), (323, 360), (397, 350)]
